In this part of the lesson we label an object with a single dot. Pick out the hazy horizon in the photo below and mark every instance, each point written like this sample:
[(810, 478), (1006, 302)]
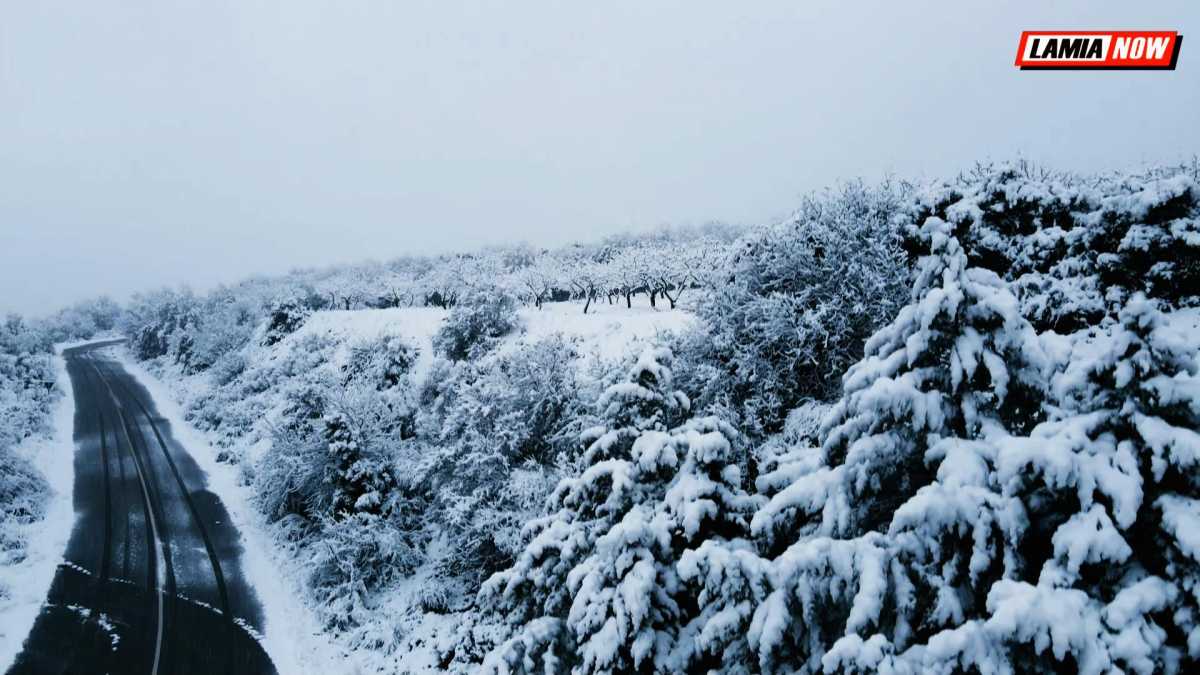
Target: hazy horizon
[(171, 144)]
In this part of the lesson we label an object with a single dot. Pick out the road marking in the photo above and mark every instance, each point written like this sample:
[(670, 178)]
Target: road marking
[(159, 554)]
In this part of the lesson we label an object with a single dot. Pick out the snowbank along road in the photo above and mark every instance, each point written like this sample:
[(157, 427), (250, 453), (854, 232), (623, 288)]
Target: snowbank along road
[(151, 581)]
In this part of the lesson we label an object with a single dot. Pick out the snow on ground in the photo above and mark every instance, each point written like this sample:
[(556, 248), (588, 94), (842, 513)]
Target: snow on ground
[(293, 638), (608, 331), (28, 582)]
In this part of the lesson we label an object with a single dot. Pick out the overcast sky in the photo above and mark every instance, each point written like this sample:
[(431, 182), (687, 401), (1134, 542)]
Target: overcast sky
[(159, 142)]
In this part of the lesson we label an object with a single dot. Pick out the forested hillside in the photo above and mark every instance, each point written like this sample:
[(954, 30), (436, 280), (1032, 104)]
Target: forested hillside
[(948, 427)]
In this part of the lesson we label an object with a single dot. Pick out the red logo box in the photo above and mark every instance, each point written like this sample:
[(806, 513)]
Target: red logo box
[(1098, 49)]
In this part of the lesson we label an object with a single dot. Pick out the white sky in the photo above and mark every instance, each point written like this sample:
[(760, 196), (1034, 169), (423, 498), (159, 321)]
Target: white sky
[(152, 142)]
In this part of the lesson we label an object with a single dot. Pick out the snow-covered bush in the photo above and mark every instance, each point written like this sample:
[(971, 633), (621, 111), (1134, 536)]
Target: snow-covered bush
[(793, 306), (330, 479), (475, 323), (356, 557), (157, 324), (363, 480), (292, 478), (227, 324), (283, 319), (382, 362), (496, 431), (26, 381), (22, 501)]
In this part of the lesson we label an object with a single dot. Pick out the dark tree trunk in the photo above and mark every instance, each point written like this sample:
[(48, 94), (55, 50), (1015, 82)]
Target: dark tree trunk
[(673, 299)]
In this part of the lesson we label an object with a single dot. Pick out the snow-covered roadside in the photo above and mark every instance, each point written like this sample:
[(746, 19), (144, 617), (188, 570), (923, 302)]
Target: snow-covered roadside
[(28, 582), (292, 636)]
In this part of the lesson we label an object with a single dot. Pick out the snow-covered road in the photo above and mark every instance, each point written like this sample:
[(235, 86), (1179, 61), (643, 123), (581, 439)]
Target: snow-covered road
[(152, 580)]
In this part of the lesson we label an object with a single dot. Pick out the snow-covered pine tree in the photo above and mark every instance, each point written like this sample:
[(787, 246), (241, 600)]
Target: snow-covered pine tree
[(1108, 482), (596, 590), (963, 516), (1025, 230), (1109, 486), (534, 594), (709, 506), (1063, 240), (1146, 235), (898, 532)]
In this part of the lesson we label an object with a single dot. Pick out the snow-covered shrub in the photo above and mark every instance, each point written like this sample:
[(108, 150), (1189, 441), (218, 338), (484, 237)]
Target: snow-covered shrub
[(523, 404), (793, 306), (293, 476), (475, 323), (26, 392), (363, 480), (596, 588), (356, 557), (284, 318), (158, 324), (228, 368), (225, 325), (330, 480), (496, 431), (26, 381), (383, 362), (22, 501)]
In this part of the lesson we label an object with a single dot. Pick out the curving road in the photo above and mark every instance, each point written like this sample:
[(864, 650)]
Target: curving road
[(152, 581)]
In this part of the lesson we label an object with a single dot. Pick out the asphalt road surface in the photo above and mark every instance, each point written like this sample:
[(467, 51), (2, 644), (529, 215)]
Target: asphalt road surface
[(152, 581)]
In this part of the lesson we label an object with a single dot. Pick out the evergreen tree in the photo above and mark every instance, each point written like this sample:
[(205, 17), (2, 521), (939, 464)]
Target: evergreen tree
[(899, 532), (535, 593), (597, 590)]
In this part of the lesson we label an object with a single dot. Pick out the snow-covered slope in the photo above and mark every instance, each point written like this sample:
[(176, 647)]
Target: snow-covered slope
[(243, 415)]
